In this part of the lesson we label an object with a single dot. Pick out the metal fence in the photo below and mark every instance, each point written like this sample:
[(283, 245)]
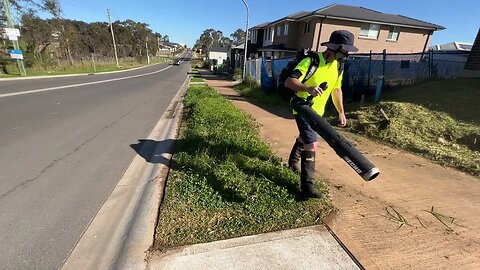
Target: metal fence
[(254, 69), (363, 72)]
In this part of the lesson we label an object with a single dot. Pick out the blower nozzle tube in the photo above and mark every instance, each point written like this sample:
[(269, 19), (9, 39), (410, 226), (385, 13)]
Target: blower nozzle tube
[(358, 162)]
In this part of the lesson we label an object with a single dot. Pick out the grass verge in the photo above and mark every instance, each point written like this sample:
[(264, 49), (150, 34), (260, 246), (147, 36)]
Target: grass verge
[(251, 90), (225, 182), (197, 79), (80, 68)]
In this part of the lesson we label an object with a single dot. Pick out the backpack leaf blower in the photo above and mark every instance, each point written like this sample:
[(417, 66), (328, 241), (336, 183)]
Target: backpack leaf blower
[(358, 162)]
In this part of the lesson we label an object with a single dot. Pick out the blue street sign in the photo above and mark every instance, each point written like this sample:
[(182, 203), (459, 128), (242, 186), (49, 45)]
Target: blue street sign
[(15, 52)]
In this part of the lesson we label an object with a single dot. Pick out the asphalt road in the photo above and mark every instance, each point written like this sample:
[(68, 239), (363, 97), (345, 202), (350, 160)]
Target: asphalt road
[(63, 150)]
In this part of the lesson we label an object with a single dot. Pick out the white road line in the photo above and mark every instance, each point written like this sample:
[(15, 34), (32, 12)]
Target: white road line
[(80, 84)]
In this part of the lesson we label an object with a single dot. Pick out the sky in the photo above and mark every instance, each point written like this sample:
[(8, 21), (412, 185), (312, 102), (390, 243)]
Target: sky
[(185, 20)]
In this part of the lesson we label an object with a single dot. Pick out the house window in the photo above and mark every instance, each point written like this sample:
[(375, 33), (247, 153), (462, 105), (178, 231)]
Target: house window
[(370, 30), (306, 28), (393, 33), (285, 29), (253, 36), (278, 30)]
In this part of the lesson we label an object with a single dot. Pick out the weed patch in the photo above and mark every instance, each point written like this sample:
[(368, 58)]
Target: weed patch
[(433, 134)]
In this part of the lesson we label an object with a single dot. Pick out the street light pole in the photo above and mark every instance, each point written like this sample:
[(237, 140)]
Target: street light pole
[(246, 41)]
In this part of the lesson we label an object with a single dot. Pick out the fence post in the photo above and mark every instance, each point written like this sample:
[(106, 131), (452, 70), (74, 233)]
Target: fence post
[(430, 63), (369, 70), (384, 62), (381, 81)]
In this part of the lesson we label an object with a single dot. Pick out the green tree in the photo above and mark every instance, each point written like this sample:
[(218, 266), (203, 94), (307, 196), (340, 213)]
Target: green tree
[(26, 6), (36, 38), (238, 35), (211, 38)]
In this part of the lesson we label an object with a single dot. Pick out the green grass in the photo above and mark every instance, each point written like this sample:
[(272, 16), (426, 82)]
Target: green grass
[(251, 90), (437, 120), (225, 182), (196, 77)]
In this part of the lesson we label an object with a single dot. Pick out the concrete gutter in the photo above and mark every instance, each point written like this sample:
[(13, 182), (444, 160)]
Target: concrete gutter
[(121, 233)]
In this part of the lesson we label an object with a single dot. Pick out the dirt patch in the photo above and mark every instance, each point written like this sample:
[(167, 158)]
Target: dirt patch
[(389, 223)]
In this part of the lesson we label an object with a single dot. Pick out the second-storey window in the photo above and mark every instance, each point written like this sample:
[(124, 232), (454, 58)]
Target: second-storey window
[(370, 30), (393, 33), (253, 36), (285, 29), (306, 28), (278, 30)]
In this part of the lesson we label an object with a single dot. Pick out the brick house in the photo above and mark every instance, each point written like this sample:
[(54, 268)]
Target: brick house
[(373, 30)]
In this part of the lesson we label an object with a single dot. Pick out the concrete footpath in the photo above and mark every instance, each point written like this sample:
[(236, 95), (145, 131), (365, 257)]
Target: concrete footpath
[(304, 248)]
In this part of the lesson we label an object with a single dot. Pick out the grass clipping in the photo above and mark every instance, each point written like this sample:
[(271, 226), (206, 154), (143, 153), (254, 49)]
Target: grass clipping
[(225, 182), (432, 134)]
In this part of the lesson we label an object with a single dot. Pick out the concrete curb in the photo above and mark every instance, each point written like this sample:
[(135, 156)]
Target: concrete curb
[(121, 233), (142, 232)]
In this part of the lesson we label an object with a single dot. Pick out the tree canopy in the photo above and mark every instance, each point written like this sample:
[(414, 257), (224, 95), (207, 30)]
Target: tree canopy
[(31, 6), (238, 35), (211, 38)]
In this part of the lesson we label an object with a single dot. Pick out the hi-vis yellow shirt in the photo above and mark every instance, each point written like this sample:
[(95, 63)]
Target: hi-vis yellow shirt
[(326, 72)]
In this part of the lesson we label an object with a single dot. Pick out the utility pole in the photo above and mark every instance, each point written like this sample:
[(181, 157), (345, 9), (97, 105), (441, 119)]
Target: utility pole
[(158, 49), (113, 37), (146, 48), (93, 61), (8, 15)]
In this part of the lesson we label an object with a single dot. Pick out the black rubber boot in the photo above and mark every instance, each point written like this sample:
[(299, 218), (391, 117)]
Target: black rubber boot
[(307, 176), (295, 155)]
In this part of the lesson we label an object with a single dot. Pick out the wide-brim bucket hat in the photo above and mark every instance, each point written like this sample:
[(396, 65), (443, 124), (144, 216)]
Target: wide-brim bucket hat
[(341, 39)]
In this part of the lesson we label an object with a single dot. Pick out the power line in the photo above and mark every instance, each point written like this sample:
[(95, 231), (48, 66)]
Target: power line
[(81, 6)]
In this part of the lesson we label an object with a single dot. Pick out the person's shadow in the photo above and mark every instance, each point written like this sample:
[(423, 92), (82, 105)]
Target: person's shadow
[(153, 151)]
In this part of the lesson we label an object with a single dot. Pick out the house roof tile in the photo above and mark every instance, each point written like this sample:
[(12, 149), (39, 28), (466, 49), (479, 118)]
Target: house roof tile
[(357, 13), (361, 13)]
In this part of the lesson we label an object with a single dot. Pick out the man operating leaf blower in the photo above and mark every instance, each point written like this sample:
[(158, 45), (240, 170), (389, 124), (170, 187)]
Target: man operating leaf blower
[(307, 83)]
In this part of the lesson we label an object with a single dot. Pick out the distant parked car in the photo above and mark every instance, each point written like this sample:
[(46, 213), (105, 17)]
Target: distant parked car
[(176, 62)]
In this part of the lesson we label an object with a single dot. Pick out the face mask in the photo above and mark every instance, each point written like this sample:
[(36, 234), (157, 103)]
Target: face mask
[(340, 55)]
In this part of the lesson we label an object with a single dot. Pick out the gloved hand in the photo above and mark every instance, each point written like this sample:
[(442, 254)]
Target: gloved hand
[(298, 101)]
